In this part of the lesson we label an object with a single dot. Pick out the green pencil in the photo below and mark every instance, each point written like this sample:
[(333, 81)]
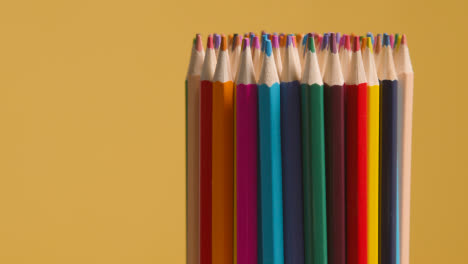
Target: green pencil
[(313, 156)]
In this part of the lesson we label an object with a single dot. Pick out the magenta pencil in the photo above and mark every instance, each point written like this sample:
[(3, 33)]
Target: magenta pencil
[(246, 154)]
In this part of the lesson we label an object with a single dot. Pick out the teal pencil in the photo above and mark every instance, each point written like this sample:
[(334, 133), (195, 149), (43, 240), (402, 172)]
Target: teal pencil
[(313, 151), (271, 194)]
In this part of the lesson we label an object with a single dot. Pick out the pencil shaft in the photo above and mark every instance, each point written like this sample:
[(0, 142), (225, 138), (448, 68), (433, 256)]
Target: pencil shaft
[(193, 93), (246, 172), (223, 174), (292, 172), (373, 173), (271, 201), (405, 81), (314, 181), (335, 168), (206, 100), (356, 173), (388, 170)]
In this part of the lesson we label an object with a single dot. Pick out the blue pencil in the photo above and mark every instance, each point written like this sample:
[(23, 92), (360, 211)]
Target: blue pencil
[(271, 193), (293, 216)]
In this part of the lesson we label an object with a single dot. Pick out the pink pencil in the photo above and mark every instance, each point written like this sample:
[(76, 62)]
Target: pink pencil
[(246, 164)]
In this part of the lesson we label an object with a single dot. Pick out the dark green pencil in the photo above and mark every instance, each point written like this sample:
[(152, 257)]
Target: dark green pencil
[(313, 157)]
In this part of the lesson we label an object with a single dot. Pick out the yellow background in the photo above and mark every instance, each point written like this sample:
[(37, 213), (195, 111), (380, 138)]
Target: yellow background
[(92, 120)]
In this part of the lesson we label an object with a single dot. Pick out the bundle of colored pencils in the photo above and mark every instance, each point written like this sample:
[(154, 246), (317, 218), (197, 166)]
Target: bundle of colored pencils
[(298, 149)]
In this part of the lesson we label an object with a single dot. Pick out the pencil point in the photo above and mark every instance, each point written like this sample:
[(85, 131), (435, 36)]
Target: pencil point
[(333, 43), (275, 41), (403, 39), (356, 46), (217, 41), (256, 42), (264, 39), (325, 40), (386, 40), (224, 42), (209, 42), (245, 43), (268, 48), (311, 45), (199, 44), (289, 40), (347, 42)]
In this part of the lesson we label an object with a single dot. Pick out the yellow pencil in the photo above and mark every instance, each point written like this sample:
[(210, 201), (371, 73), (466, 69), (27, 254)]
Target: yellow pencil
[(373, 153)]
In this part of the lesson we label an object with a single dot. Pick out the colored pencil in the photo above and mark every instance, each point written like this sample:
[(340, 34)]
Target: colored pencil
[(405, 73), (271, 201), (256, 51), (222, 160), (313, 159), (335, 154), (373, 109), (192, 86), (356, 159), (345, 56), (246, 158), (282, 41), (277, 54), (206, 107), (291, 155), (388, 153)]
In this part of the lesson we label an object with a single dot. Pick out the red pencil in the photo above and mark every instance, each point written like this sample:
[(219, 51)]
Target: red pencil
[(356, 159), (206, 101)]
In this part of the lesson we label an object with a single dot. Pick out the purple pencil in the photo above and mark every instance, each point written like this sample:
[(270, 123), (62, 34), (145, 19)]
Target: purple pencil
[(335, 155), (246, 152)]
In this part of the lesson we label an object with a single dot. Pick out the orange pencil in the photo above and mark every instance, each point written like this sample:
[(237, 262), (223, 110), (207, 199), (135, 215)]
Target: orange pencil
[(222, 162)]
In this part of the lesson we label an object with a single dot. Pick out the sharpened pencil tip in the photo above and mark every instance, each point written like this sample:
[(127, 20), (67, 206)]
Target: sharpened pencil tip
[(332, 44), (256, 42), (224, 44), (209, 42), (386, 40), (275, 41), (325, 40), (198, 43), (356, 46), (268, 48), (289, 41), (347, 43), (403, 39), (311, 44), (245, 43), (217, 41)]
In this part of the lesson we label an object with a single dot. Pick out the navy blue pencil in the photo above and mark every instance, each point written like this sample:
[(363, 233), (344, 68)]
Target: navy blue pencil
[(388, 154), (291, 155)]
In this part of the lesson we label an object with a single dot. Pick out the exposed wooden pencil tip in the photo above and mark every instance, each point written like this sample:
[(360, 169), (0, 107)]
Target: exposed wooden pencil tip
[(198, 43), (224, 44)]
